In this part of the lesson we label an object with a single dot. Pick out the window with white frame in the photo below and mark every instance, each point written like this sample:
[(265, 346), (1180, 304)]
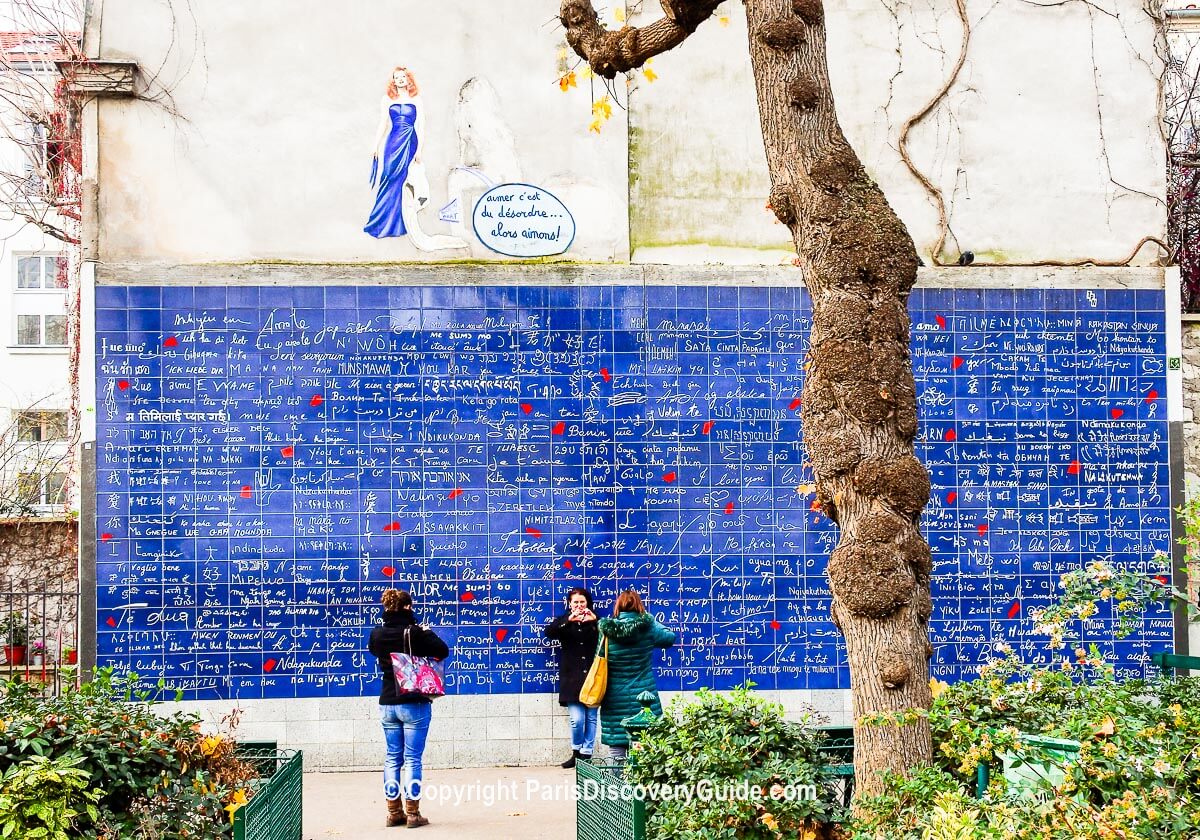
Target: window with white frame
[(41, 490), (40, 306), (41, 426)]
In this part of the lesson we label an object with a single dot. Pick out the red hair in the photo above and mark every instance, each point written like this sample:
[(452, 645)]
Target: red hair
[(411, 88)]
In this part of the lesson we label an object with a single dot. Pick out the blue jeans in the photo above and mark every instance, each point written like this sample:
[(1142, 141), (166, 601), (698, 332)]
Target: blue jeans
[(583, 727), (405, 727)]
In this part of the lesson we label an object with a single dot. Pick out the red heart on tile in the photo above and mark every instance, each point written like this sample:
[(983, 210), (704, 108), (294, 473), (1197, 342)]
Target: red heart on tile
[(123, 384), (1073, 469), (794, 404), (956, 363), (951, 497), (467, 597), (950, 435), (567, 564), (1015, 609), (1117, 413), (605, 374), (775, 625), (247, 491), (454, 494), (105, 537), (316, 400), (941, 322), (526, 407), (1152, 396), (982, 528), (728, 508), (501, 634), (112, 622), (533, 532), (287, 451), (706, 428), (171, 341), (269, 665), (559, 428), (388, 571), (669, 477)]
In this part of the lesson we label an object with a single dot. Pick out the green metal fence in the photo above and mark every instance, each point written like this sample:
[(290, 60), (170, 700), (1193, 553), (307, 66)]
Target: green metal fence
[(606, 808), (276, 808)]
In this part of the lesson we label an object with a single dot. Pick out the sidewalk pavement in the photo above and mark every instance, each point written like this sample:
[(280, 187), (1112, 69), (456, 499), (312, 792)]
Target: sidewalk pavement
[(496, 803)]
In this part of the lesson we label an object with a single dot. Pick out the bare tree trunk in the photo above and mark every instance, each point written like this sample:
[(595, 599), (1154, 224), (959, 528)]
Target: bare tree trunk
[(859, 396), (860, 404)]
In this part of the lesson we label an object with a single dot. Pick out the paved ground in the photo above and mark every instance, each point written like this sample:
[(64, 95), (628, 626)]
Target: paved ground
[(505, 803)]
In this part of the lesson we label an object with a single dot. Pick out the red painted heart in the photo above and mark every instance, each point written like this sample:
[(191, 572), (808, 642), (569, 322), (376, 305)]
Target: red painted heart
[(105, 537), (247, 492), (1073, 469), (794, 404), (950, 436), (388, 571), (316, 400), (454, 494), (112, 622), (982, 528), (1015, 609), (567, 564), (605, 374), (269, 665), (287, 451), (467, 597), (669, 477), (956, 363), (775, 625), (526, 407), (559, 428), (941, 322), (706, 428), (123, 384), (729, 508), (1117, 413), (171, 341), (533, 532), (1152, 396), (951, 497), (501, 635)]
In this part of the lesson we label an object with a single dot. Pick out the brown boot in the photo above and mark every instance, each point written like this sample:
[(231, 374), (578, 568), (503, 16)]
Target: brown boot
[(396, 813), (413, 808)]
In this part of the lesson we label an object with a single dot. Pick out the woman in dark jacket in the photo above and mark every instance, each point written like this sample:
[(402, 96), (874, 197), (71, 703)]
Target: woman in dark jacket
[(632, 635), (575, 630), (405, 716)]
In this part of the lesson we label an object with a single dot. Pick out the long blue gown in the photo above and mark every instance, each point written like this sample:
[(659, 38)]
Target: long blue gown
[(387, 219)]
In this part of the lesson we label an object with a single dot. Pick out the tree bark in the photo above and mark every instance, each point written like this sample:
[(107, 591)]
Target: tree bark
[(859, 399)]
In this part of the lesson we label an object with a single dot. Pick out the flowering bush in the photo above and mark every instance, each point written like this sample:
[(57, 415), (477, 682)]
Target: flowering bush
[(148, 775)]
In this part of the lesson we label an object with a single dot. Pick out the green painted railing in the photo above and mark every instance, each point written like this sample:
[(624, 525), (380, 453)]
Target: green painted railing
[(606, 808), (276, 807)]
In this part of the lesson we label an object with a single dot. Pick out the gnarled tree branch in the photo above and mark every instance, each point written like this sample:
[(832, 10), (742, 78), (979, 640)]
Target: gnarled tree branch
[(609, 52)]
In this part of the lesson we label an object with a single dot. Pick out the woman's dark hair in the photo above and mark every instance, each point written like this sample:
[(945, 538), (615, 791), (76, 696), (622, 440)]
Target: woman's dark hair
[(628, 601), (579, 590), (396, 599)]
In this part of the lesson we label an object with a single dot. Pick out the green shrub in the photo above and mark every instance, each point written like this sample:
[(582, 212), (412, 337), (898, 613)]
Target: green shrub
[(109, 731), (718, 743), (41, 798)]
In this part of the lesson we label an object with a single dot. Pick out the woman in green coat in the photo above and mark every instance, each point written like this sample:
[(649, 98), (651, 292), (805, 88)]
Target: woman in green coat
[(632, 635)]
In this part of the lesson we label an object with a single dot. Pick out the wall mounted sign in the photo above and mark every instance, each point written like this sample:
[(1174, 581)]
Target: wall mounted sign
[(520, 220)]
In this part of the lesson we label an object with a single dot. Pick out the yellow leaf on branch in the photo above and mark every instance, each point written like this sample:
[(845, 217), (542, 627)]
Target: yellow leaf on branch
[(602, 108), (567, 81), (723, 20), (619, 14), (596, 125)]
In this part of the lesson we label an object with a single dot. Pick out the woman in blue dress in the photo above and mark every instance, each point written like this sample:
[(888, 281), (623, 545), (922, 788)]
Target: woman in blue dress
[(397, 166)]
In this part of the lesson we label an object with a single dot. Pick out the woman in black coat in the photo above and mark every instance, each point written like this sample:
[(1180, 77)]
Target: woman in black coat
[(405, 716), (575, 630)]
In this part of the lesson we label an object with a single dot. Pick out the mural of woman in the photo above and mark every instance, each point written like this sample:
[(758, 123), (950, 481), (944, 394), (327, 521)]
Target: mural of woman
[(397, 173)]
